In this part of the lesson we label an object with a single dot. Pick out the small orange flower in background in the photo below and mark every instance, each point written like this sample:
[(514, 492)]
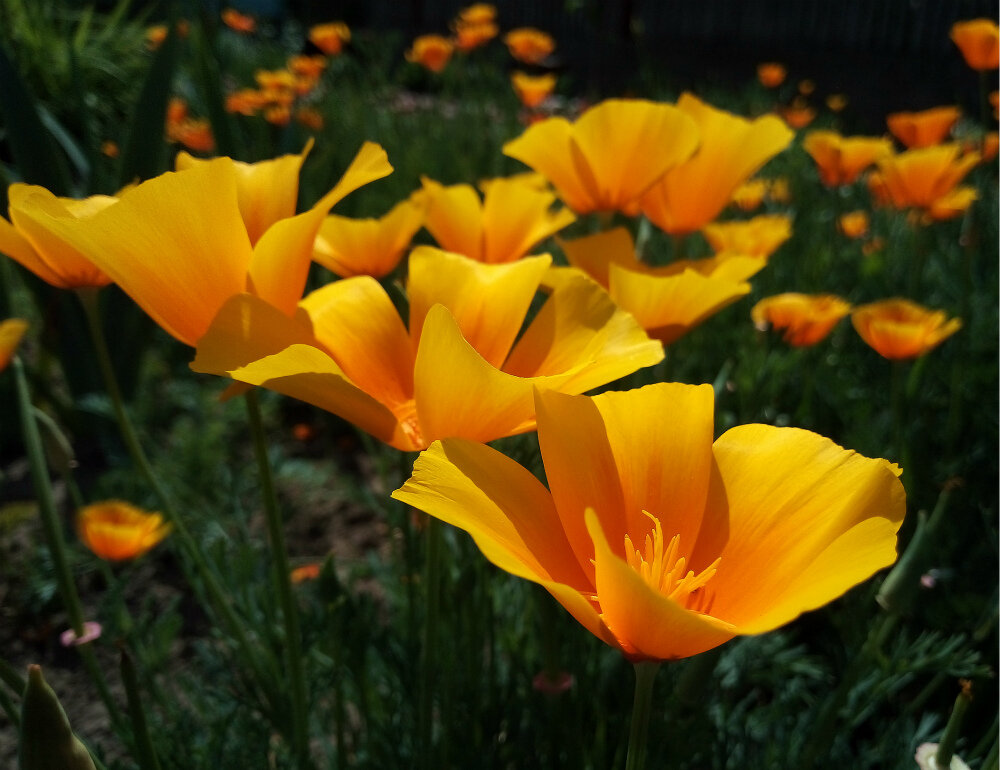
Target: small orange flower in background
[(471, 35), (238, 22), (991, 143), (898, 328), (979, 42), (951, 205), (805, 318), (349, 247), (995, 102), (659, 542), (431, 52), (155, 36), (836, 102), (925, 128), (330, 37), (779, 190), (750, 194), (919, 178), (275, 80), (757, 237), (278, 115), (839, 159), (177, 110), (529, 45), (193, 133), (116, 531), (798, 114), (771, 74), (11, 332), (806, 87), (305, 572), (478, 13), (246, 101), (532, 90), (307, 66), (854, 224), (310, 117), (109, 149)]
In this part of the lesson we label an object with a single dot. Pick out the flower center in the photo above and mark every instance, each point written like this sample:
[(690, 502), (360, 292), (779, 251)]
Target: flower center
[(659, 565)]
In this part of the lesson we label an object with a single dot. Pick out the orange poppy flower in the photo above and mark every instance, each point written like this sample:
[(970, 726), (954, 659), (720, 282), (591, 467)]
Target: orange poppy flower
[(666, 301), (898, 328), (798, 114), (918, 178), (11, 332), (472, 35), (307, 66), (836, 102), (779, 190), (750, 194), (155, 36), (612, 154), (805, 318), (330, 37), (922, 129), (431, 52), (117, 531), (839, 159), (991, 143), (246, 101), (454, 370), (478, 13), (529, 45), (854, 224), (732, 149), (193, 133), (532, 90), (757, 237), (310, 117), (771, 74), (217, 228), (238, 22), (512, 217), (662, 543), (952, 204), (979, 42), (305, 572), (806, 87), (374, 247)]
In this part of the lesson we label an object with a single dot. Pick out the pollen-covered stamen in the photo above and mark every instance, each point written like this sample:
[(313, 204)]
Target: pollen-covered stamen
[(664, 571)]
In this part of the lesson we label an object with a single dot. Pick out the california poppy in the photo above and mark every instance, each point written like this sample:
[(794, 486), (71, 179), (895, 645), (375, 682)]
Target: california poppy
[(805, 318), (11, 332), (771, 74), (372, 247), (854, 224), (979, 42), (330, 37), (431, 52), (658, 541), (839, 159), (922, 129), (529, 45), (898, 328), (532, 90), (238, 22), (470, 35), (116, 530), (918, 178), (757, 237)]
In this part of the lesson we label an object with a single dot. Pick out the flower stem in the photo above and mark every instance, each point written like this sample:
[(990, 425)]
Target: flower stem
[(946, 749), (283, 583), (432, 580), (645, 674), (140, 730)]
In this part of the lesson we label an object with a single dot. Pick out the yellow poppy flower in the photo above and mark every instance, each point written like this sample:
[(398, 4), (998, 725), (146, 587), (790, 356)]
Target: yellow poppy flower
[(529, 45), (372, 247), (512, 217), (11, 332), (662, 543), (532, 90), (184, 242), (611, 155), (116, 531), (666, 301), (453, 370), (925, 128), (805, 318), (732, 149), (432, 52), (918, 178), (898, 328), (839, 159), (757, 237), (749, 195), (854, 224), (330, 37), (979, 42)]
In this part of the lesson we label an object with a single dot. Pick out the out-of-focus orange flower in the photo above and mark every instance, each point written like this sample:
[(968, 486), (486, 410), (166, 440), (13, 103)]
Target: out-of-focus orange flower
[(979, 42), (307, 66), (611, 155), (658, 541), (330, 37), (898, 328), (771, 74), (918, 178), (275, 79), (177, 110), (925, 128), (806, 87), (431, 52), (529, 45), (952, 204), (836, 102), (991, 143), (11, 332), (750, 194), (873, 246), (246, 101), (193, 133), (478, 13), (731, 149), (116, 531), (798, 114), (757, 237), (995, 102), (349, 247), (278, 115), (805, 318), (238, 22), (779, 190), (305, 572), (532, 90), (310, 117), (839, 159), (109, 148), (854, 224), (155, 36), (471, 35), (305, 85)]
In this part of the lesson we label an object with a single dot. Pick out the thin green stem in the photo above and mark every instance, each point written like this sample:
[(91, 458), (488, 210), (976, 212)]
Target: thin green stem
[(946, 749), (428, 656), (283, 584), (146, 756), (12, 712), (645, 674)]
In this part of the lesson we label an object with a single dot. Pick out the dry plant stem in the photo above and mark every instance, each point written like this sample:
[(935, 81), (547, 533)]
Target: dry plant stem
[(52, 528), (283, 583), (645, 674), (144, 746)]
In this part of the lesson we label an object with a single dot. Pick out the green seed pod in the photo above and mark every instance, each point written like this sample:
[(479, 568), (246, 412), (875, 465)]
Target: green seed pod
[(47, 742)]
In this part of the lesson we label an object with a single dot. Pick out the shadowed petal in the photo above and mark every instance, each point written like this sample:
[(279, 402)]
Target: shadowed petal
[(516, 216), (454, 217), (547, 148)]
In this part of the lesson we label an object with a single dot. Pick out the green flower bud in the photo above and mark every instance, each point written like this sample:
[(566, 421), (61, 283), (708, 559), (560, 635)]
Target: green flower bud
[(47, 742)]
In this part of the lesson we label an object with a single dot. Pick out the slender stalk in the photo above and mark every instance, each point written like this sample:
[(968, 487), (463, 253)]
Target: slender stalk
[(10, 677), (8, 707), (428, 656), (140, 730), (645, 674), (283, 584), (946, 749)]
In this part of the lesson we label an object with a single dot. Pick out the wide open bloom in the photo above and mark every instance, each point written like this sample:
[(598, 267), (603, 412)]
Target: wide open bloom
[(659, 542), (116, 530), (529, 45), (925, 128), (432, 52), (372, 247), (53, 259), (898, 328), (805, 318), (532, 90), (184, 242), (666, 301), (453, 370), (692, 193), (611, 155), (11, 332), (918, 178), (330, 37), (513, 216), (979, 42), (757, 237), (841, 159)]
